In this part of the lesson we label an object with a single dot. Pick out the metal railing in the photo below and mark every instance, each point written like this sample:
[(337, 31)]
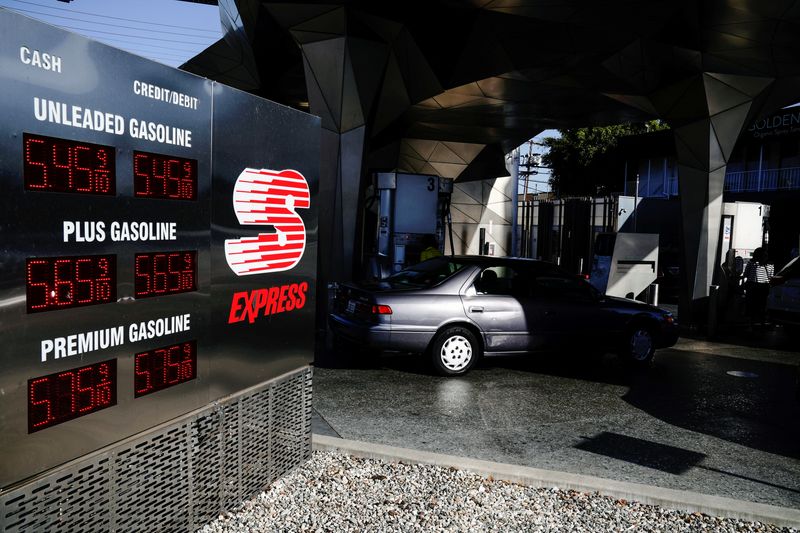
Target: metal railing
[(773, 179)]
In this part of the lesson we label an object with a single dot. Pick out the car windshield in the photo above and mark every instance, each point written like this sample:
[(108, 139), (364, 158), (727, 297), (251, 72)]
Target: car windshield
[(425, 274)]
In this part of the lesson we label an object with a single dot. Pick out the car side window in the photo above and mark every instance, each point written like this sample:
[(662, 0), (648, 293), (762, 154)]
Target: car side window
[(562, 288), (500, 280)]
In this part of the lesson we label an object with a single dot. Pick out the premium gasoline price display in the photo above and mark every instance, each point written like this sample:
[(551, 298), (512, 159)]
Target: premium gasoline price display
[(62, 396), (160, 368), (162, 273), (65, 282), (164, 176), (61, 165)]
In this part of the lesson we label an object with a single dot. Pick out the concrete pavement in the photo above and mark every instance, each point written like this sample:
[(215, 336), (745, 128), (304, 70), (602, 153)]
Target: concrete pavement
[(688, 423)]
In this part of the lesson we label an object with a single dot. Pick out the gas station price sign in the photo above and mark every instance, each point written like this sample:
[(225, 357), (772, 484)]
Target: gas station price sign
[(117, 289), (60, 165), (159, 274), (164, 176), (66, 282), (106, 239), (56, 398), (161, 368)]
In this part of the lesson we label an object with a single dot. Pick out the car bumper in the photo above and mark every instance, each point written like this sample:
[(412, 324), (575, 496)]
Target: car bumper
[(369, 335), (380, 336), (667, 335)]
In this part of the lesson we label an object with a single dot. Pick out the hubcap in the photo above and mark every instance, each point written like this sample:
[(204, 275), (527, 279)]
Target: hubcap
[(641, 344), (456, 353)]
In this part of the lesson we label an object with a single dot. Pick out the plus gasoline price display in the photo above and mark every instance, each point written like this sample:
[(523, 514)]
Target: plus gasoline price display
[(162, 273), (64, 282), (60, 165)]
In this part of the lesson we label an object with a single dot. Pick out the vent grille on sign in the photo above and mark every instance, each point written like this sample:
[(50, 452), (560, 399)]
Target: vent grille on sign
[(179, 477)]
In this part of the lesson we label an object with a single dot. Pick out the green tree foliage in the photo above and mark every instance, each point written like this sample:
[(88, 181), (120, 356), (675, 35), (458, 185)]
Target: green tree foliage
[(582, 161)]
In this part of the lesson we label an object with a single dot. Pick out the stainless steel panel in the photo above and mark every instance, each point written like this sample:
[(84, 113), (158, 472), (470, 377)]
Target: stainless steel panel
[(231, 357), (177, 477)]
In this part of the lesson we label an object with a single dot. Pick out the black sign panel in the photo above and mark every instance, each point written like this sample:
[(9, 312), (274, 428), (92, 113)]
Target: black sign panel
[(264, 238), (108, 256)]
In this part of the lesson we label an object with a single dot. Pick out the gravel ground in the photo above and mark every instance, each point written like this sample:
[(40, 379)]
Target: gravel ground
[(335, 492)]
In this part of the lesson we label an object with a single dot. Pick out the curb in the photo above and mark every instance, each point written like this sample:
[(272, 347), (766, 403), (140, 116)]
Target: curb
[(535, 477)]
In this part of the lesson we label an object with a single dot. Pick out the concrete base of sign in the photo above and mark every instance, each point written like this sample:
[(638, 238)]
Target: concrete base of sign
[(648, 494)]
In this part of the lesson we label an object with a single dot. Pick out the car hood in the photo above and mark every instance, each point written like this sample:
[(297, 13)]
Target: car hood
[(632, 304)]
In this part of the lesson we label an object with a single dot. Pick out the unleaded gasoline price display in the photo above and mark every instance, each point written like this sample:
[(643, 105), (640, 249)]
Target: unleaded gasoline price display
[(160, 368), (60, 165), (162, 273), (164, 176), (65, 282), (63, 396)]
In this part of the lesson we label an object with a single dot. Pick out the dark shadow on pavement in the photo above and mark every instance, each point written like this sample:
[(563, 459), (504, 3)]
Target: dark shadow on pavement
[(642, 452)]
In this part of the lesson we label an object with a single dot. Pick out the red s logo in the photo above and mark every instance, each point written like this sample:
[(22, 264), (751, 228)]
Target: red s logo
[(268, 198)]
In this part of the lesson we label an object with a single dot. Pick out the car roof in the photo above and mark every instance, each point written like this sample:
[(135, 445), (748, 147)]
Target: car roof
[(486, 260)]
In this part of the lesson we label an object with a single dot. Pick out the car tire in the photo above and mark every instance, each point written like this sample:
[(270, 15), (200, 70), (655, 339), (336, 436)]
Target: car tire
[(639, 345), (454, 351)]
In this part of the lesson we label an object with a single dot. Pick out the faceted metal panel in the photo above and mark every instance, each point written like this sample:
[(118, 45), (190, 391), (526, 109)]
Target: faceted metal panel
[(177, 477), (495, 73)]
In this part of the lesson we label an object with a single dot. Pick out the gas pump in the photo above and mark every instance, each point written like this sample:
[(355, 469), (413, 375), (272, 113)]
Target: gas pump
[(745, 227), (413, 207)]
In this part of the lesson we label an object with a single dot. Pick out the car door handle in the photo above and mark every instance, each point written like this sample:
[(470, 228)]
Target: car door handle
[(476, 309)]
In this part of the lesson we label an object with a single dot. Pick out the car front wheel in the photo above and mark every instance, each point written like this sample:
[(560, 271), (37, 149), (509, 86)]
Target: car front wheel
[(454, 351), (640, 345)]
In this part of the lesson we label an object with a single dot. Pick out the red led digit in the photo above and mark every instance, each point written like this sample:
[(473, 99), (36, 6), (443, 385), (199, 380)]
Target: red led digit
[(35, 179), (158, 274), (172, 372), (38, 290), (39, 405), (141, 176), (83, 173), (63, 396), (85, 284), (61, 153), (160, 266), (64, 286), (142, 380), (174, 272), (161, 368), (64, 282), (59, 165), (84, 391), (165, 177), (65, 384), (158, 169)]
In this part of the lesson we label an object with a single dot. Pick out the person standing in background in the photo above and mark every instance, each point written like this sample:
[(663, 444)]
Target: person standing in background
[(431, 250), (757, 275)]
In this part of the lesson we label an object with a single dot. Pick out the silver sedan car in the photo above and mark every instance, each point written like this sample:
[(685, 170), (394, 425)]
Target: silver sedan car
[(455, 309)]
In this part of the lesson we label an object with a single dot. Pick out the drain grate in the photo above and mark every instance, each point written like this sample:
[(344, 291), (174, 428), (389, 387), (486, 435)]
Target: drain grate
[(179, 477)]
